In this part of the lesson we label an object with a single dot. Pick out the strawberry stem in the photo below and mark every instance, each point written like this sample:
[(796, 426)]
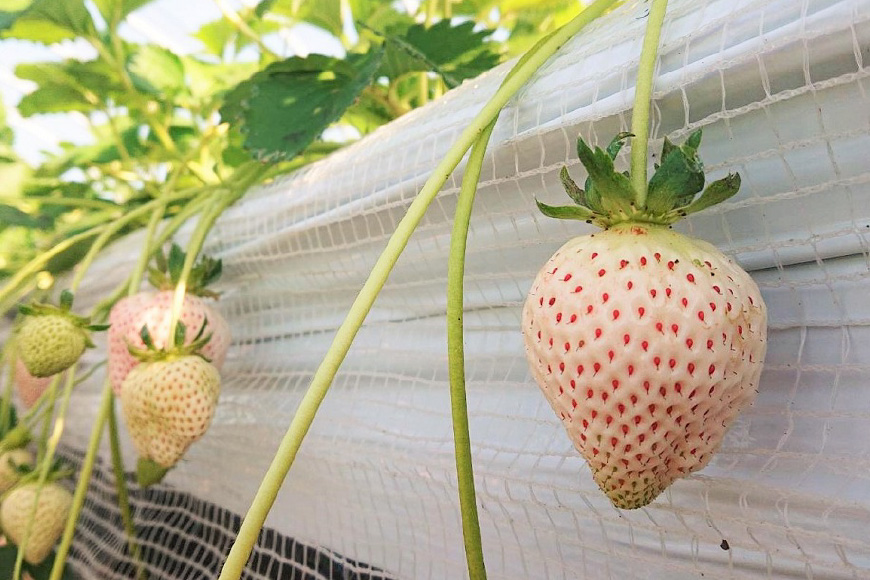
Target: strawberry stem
[(262, 503), (456, 357), (640, 117), (207, 219)]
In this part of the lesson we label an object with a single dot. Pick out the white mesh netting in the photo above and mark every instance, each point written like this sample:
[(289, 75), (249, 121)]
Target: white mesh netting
[(781, 90)]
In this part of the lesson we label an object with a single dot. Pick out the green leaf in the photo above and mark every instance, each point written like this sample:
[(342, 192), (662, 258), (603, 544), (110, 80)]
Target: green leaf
[(566, 212), (283, 108), (156, 71), (71, 85), (617, 144), (263, 7), (11, 216), (50, 21), (607, 190), (117, 10), (716, 192), (325, 14), (454, 52)]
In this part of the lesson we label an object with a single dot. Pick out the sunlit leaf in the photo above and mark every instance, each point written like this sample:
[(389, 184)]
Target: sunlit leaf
[(283, 108), (117, 10), (156, 70), (456, 52), (51, 21)]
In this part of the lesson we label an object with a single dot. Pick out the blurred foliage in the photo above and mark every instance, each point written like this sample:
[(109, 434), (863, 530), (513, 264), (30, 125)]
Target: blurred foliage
[(162, 122)]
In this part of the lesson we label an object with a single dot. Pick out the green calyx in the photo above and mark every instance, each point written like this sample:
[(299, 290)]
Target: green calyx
[(166, 272), (149, 472), (178, 348), (609, 198)]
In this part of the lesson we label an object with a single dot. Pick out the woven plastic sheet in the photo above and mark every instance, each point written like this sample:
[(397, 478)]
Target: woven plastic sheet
[(780, 88)]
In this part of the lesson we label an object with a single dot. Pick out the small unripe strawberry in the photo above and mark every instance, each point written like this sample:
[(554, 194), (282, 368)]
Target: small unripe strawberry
[(9, 463), (50, 344), (168, 405), (52, 510), (50, 339)]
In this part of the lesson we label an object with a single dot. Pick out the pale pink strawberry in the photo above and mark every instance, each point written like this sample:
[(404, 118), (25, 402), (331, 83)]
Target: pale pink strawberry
[(129, 315), (28, 387), (646, 343), (168, 405)]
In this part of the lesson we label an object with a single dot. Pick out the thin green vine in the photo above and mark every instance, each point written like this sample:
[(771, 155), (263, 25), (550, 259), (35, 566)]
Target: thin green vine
[(289, 447), (456, 357)]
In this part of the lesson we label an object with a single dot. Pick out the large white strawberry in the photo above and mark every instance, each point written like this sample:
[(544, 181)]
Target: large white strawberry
[(154, 311), (168, 402), (52, 508), (646, 343)]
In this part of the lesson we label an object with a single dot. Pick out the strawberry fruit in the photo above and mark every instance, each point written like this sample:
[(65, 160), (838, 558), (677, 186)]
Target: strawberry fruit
[(168, 402), (154, 311), (646, 343), (50, 339), (52, 509)]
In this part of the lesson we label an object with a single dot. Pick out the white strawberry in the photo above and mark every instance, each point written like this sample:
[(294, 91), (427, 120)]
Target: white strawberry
[(154, 310), (28, 387), (168, 405), (646, 343), (50, 518)]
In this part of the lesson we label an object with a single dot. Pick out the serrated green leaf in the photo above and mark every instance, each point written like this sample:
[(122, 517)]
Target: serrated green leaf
[(566, 212), (50, 21), (117, 10), (715, 193), (606, 188), (283, 108), (456, 52), (156, 71)]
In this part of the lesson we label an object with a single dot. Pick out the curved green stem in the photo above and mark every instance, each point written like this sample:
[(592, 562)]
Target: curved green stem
[(320, 383), (456, 357), (640, 116), (197, 239)]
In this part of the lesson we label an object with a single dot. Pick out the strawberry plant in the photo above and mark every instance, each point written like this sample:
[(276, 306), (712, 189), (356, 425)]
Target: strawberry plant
[(177, 137)]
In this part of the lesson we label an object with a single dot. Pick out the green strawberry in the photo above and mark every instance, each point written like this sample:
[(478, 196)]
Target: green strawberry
[(9, 463), (51, 339), (52, 510)]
